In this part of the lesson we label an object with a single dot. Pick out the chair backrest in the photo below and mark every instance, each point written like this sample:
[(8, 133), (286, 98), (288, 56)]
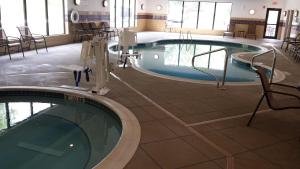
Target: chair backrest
[(104, 25), (24, 32), (2, 34), (265, 84), (85, 26), (252, 29), (298, 37), (93, 25), (231, 28)]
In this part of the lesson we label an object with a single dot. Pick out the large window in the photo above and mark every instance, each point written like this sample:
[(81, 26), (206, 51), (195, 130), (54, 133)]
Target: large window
[(122, 13), (190, 12), (175, 14), (56, 17), (36, 16), (201, 15), (206, 15), (43, 16), (12, 15), (222, 18)]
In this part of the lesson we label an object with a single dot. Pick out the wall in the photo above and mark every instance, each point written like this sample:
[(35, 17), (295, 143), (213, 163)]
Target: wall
[(154, 20)]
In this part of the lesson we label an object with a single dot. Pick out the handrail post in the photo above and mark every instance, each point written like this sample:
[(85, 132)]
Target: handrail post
[(273, 50), (273, 66), (225, 68), (225, 65)]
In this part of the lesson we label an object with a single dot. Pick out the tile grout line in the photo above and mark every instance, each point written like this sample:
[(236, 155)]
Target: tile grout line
[(227, 118), (229, 156)]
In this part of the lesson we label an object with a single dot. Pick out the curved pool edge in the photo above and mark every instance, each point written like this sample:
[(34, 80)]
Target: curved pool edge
[(278, 74), (129, 140)]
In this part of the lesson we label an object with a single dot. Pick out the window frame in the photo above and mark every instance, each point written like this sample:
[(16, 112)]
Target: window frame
[(46, 16), (212, 26), (122, 17)]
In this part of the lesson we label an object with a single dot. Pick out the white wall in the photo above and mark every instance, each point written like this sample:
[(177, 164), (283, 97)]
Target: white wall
[(293, 4), (240, 8), (88, 5)]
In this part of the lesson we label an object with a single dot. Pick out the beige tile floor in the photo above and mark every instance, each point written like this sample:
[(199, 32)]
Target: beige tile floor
[(168, 142)]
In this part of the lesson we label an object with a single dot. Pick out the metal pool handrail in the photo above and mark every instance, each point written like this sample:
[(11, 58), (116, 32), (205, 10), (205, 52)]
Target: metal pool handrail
[(225, 65), (187, 35), (273, 50)]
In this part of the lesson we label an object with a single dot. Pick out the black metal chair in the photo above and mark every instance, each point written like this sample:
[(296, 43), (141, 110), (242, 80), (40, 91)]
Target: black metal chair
[(230, 30), (9, 42), (28, 37), (271, 90), (290, 40)]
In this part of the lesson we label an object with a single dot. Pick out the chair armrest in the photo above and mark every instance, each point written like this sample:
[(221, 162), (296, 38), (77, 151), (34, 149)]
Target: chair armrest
[(37, 35), (284, 85), (12, 37), (286, 94)]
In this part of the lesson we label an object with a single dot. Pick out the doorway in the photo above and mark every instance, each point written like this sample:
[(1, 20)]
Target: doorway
[(272, 23)]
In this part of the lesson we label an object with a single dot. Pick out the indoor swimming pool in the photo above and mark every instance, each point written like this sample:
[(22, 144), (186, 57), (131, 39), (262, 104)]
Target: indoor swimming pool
[(173, 59), (53, 130)]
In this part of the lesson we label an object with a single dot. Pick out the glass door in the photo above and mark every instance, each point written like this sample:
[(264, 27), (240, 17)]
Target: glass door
[(272, 23)]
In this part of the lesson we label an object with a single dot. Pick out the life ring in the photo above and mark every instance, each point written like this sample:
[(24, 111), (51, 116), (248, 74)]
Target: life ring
[(74, 16)]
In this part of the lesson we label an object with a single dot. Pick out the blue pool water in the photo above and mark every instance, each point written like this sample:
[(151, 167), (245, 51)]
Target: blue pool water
[(50, 132), (174, 58)]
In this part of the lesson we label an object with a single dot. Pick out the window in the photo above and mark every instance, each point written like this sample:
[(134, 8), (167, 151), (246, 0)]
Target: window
[(126, 13), (12, 15), (119, 14), (122, 13), (34, 14), (175, 14), (112, 15), (190, 12), (206, 15), (18, 111), (38, 107), (201, 15), (132, 13), (56, 17), (222, 18), (3, 119)]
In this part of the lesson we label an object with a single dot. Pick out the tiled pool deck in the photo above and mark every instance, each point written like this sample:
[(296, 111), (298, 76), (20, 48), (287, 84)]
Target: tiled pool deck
[(184, 125)]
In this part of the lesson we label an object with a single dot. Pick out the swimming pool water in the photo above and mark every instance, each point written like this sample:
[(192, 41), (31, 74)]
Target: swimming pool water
[(55, 133), (174, 58)]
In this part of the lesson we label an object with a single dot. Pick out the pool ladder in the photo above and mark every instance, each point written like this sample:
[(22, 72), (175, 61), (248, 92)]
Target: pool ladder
[(218, 80), (273, 50), (188, 37)]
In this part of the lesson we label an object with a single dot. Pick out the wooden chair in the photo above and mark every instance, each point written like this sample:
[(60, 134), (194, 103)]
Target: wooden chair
[(29, 37), (9, 42), (272, 92), (230, 30), (251, 31)]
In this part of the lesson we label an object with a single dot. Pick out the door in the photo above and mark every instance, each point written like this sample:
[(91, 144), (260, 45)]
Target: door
[(272, 23)]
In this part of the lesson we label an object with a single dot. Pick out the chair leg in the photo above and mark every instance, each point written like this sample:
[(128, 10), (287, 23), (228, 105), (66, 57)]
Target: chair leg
[(35, 47), (8, 52), (46, 45), (257, 106), (22, 49)]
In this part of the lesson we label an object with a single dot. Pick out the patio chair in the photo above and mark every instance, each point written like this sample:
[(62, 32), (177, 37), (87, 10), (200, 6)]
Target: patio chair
[(278, 96), (251, 31), (291, 41), (9, 42), (28, 37), (230, 30)]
